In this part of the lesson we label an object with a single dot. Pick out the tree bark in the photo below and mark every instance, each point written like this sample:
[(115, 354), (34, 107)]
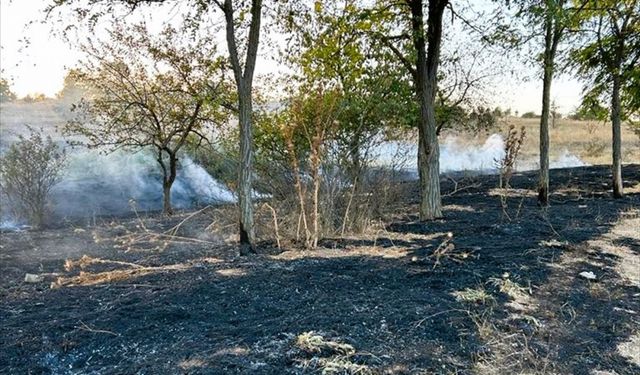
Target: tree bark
[(169, 177), (543, 179), (428, 58), (244, 84), (616, 122), (553, 33), (245, 175)]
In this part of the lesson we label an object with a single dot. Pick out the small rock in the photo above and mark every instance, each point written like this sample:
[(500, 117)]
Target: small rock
[(33, 279), (587, 275)]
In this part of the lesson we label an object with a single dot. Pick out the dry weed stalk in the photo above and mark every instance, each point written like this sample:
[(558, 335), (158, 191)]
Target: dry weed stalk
[(275, 223), (457, 189), (446, 249), (506, 166)]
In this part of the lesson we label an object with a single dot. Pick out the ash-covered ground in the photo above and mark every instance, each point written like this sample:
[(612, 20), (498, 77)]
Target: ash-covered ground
[(503, 295)]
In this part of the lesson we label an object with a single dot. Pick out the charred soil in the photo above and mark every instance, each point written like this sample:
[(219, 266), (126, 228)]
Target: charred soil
[(494, 287)]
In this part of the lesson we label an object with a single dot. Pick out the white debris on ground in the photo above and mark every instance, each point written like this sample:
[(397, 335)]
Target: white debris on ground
[(587, 275), (33, 279)]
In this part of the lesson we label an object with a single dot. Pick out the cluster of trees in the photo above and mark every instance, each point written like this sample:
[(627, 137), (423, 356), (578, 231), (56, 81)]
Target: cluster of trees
[(358, 69)]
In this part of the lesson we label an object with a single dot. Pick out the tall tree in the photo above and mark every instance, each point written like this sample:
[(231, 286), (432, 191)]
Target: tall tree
[(610, 63), (428, 59), (422, 63), (243, 74), (549, 23), (554, 29), (555, 17)]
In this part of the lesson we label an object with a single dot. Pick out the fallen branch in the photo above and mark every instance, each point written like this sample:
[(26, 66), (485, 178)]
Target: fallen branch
[(456, 190)]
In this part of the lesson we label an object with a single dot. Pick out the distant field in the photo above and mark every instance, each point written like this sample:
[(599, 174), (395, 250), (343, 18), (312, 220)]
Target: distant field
[(589, 140)]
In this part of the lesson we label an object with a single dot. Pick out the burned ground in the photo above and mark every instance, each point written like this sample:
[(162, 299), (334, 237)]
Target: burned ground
[(502, 295)]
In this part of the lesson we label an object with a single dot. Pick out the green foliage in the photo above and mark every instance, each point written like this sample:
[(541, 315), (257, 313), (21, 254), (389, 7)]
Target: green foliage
[(337, 51), (135, 105), (29, 169), (530, 115), (611, 52), (591, 110), (6, 95), (476, 120)]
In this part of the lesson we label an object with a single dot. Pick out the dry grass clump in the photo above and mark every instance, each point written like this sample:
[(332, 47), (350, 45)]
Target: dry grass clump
[(510, 287), (342, 365), (311, 342), (478, 295), (329, 356)]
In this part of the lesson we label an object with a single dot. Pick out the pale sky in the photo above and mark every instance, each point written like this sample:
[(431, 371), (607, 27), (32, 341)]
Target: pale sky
[(40, 66)]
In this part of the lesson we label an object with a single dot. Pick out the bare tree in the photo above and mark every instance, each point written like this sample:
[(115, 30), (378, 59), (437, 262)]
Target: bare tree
[(151, 93)]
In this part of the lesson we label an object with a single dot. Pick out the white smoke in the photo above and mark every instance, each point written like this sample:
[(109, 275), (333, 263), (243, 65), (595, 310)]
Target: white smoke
[(108, 184), (457, 155), (194, 177), (96, 184)]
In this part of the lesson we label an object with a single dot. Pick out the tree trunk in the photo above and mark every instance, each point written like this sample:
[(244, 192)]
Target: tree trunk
[(543, 179), (428, 58), (166, 199), (553, 33), (169, 179), (616, 121), (244, 82), (245, 201)]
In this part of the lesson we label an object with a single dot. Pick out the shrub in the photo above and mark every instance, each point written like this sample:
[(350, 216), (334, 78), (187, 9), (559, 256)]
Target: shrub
[(530, 115), (28, 171)]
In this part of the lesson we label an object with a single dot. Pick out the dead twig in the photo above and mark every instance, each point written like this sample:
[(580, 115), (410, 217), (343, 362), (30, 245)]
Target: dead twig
[(457, 190), (175, 229), (85, 327)]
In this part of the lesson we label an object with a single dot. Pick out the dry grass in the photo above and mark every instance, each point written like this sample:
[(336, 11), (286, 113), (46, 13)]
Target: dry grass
[(478, 295), (589, 140), (329, 356), (131, 272), (312, 342)]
